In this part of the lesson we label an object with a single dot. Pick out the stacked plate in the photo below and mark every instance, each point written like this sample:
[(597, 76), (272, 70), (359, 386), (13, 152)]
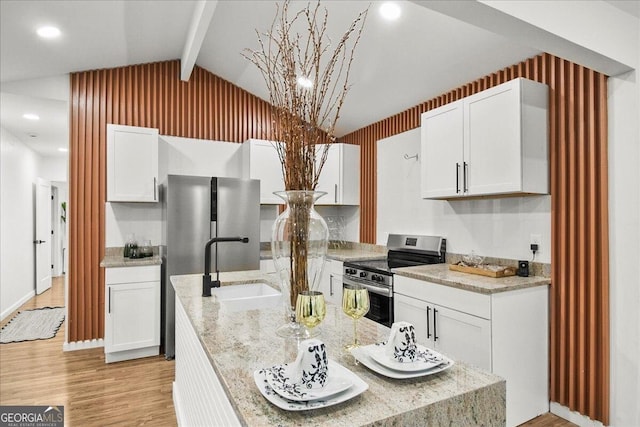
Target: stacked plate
[(426, 362), (275, 385)]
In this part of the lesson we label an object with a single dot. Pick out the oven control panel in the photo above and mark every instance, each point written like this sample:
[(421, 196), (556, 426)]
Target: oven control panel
[(364, 276)]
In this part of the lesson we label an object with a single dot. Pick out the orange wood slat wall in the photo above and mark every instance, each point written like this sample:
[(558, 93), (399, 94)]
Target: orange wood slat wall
[(579, 220), (149, 95)]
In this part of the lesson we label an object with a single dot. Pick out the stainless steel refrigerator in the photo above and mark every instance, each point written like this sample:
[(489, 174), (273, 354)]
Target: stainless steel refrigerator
[(195, 209)]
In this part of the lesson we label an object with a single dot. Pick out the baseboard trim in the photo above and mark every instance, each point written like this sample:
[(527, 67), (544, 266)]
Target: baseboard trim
[(573, 416), (137, 353), (177, 405), (82, 345), (17, 305)]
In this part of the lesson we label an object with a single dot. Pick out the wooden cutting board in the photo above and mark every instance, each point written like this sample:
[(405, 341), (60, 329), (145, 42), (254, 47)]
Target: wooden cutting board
[(504, 272)]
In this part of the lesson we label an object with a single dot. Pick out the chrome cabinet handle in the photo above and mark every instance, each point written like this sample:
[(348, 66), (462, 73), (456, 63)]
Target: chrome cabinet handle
[(109, 300), (155, 189), (457, 177), (335, 193), (331, 285), (465, 178), (435, 325), (428, 329)]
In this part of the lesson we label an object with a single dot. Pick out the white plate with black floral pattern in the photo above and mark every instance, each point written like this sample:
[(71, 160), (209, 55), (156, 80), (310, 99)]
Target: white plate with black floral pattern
[(335, 370), (425, 358), (279, 379), (363, 356)]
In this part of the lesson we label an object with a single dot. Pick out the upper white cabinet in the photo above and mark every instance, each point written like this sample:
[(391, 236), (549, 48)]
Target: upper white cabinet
[(260, 161), (132, 164), (492, 143), (340, 176)]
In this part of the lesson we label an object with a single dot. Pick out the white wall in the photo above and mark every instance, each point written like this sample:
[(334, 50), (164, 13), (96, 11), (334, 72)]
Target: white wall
[(18, 174), (53, 168), (624, 244), (493, 227)]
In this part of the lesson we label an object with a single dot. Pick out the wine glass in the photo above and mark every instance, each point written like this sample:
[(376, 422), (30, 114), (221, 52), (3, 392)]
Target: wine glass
[(311, 310), (355, 304)]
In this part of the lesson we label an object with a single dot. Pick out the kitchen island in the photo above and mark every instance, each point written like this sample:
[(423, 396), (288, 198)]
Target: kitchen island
[(218, 349)]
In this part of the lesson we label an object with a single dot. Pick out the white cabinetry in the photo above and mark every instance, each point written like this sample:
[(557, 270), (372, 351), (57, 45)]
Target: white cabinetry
[(505, 333), (132, 312), (267, 266), (340, 176), (331, 282), (260, 161), (448, 331), (132, 164), (492, 143)]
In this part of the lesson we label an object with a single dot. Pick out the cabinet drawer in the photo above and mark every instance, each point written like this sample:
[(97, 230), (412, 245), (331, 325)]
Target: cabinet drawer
[(334, 267), (146, 273), (457, 299)]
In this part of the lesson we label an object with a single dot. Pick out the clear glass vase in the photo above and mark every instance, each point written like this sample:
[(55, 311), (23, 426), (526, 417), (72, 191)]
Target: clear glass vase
[(299, 247)]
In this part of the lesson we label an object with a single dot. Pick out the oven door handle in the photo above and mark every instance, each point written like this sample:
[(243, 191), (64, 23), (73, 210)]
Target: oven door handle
[(373, 289)]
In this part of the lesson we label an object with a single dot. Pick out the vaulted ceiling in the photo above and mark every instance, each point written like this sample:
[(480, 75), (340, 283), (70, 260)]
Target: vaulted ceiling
[(398, 63)]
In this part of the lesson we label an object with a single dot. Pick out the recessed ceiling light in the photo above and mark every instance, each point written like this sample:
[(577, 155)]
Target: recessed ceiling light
[(30, 116), (305, 82), (48, 32), (62, 149), (390, 11)]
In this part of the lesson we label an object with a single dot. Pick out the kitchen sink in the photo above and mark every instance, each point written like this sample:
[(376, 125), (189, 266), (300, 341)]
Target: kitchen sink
[(249, 296)]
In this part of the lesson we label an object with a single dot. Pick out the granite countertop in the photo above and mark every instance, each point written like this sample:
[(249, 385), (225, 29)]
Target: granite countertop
[(440, 273), (120, 261), (113, 257), (435, 399)]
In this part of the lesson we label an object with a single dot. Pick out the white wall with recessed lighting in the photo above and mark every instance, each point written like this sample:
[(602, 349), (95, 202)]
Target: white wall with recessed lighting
[(17, 259)]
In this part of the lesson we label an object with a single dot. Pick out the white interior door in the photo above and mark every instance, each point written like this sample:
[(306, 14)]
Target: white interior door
[(42, 239)]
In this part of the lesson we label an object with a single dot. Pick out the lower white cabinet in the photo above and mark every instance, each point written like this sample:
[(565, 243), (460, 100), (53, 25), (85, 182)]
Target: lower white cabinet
[(448, 331), (132, 312), (506, 333), (331, 282)]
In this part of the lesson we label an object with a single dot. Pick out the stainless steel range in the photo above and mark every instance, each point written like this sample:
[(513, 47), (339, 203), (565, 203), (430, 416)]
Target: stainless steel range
[(376, 276)]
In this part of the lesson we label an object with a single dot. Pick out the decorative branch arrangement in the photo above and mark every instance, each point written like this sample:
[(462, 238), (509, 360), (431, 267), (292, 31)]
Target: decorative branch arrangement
[(307, 78)]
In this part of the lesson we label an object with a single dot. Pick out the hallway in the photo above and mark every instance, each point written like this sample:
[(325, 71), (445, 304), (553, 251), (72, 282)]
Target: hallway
[(136, 392)]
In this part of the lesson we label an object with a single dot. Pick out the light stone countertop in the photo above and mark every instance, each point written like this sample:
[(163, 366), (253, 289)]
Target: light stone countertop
[(463, 394), (119, 261), (440, 273)]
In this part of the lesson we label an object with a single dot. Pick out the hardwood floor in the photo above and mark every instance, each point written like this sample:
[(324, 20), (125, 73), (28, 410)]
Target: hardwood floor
[(136, 392), (548, 420)]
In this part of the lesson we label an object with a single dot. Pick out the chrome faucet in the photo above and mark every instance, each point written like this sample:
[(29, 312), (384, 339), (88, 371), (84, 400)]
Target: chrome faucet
[(207, 284)]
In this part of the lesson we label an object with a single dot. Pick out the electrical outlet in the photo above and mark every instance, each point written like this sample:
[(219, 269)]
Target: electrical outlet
[(535, 240)]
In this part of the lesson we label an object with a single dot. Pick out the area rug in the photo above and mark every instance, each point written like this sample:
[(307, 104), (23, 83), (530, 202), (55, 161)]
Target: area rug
[(29, 325)]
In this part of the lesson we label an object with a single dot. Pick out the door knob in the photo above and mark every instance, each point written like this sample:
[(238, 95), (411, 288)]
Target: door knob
[(37, 242)]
